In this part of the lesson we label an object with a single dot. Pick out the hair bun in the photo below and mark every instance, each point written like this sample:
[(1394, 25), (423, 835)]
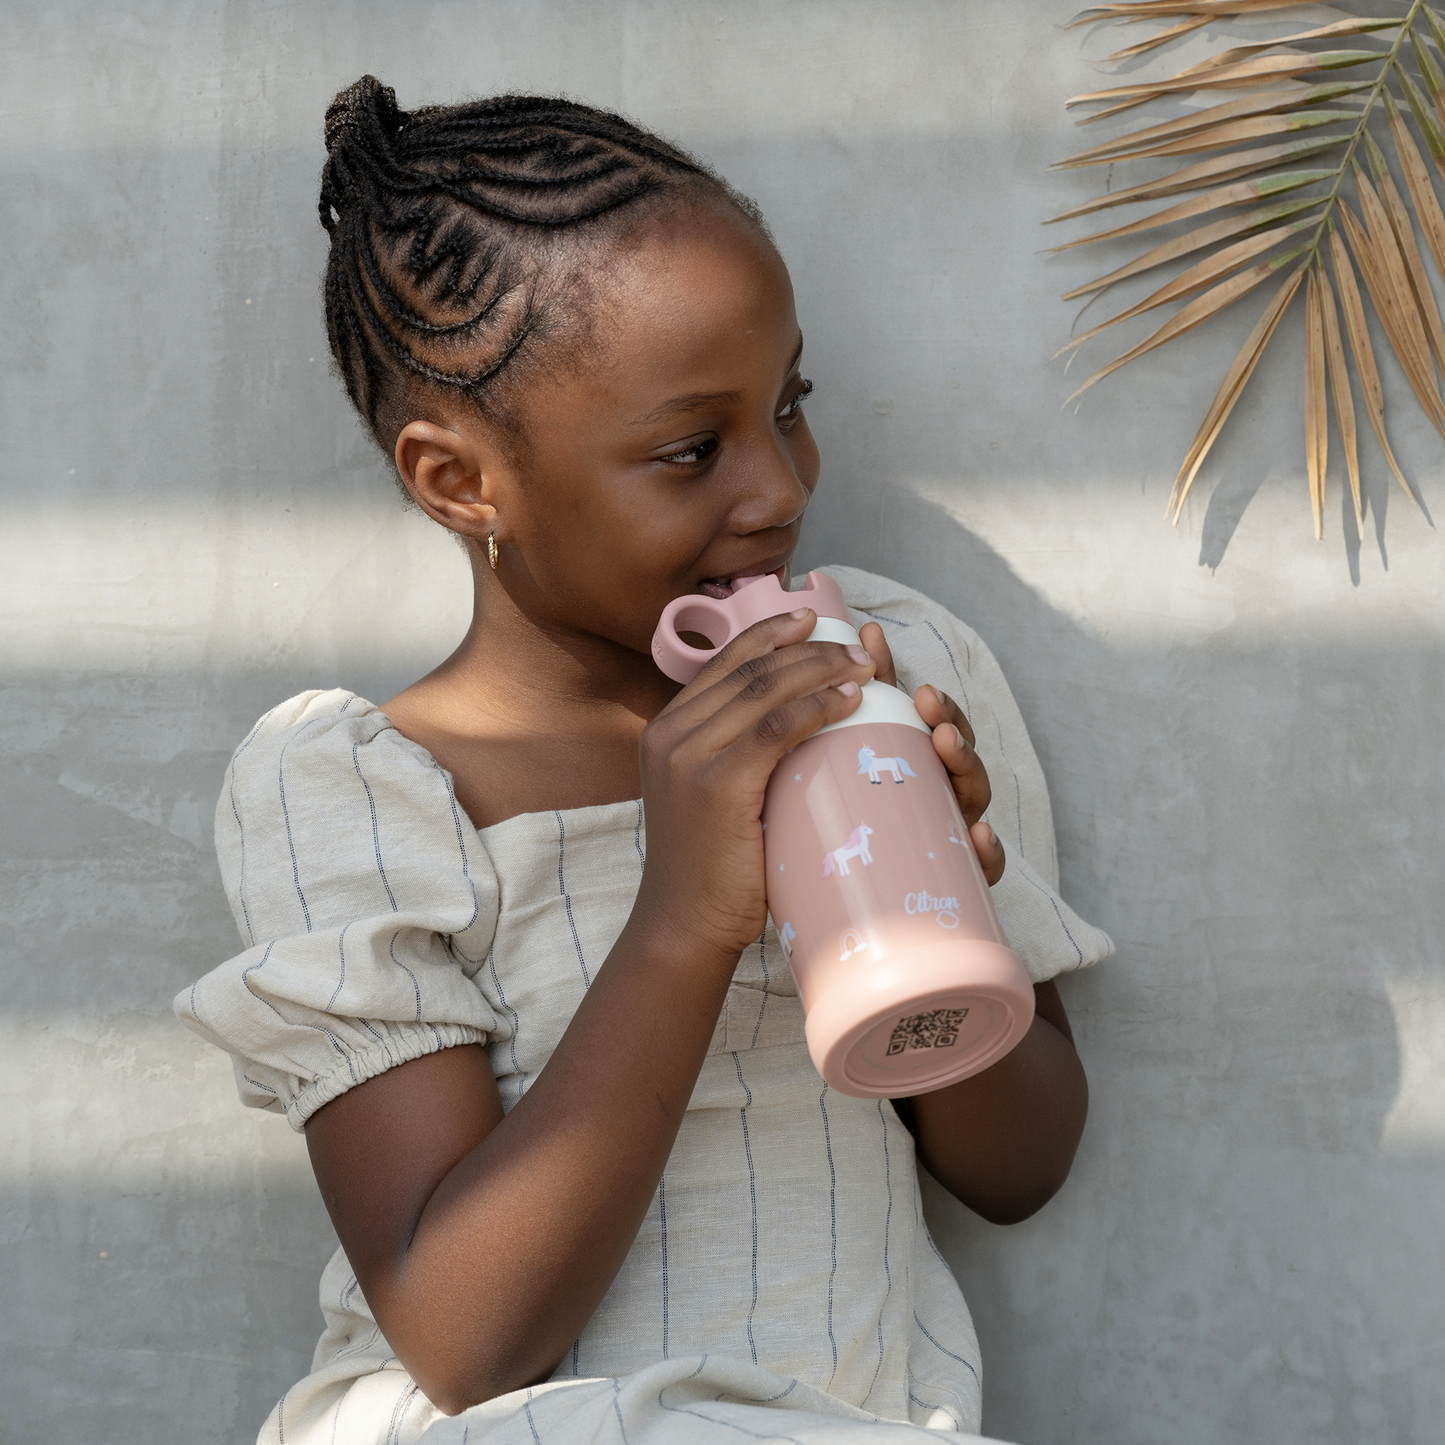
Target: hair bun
[(363, 105)]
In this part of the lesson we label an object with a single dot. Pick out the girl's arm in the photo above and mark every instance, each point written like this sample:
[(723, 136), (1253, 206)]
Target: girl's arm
[(484, 1243), (1003, 1141)]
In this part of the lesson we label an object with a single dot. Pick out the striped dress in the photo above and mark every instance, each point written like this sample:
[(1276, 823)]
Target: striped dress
[(783, 1285)]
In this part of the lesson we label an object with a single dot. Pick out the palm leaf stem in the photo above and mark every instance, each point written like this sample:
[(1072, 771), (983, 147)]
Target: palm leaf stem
[(1371, 99)]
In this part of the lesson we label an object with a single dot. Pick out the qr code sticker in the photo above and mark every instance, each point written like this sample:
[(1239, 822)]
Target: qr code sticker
[(935, 1030)]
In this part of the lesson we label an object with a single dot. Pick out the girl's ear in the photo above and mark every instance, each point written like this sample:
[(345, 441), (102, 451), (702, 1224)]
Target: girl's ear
[(448, 474)]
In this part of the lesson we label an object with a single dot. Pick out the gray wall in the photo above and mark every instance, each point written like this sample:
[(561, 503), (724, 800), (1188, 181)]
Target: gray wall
[(1241, 726)]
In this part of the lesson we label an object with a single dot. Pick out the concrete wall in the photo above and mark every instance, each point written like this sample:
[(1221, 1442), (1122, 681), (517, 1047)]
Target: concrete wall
[(1241, 726)]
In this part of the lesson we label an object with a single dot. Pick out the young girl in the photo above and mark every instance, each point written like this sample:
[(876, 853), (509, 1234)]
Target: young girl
[(507, 955)]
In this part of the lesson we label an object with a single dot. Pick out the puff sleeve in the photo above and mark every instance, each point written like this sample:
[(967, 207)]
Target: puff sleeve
[(360, 890), (931, 645)]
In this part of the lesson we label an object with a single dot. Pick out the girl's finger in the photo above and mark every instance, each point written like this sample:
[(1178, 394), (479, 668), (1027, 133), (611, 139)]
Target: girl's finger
[(936, 707), (764, 688), (757, 641), (970, 778), (990, 851), (782, 728), (873, 639), (761, 674)]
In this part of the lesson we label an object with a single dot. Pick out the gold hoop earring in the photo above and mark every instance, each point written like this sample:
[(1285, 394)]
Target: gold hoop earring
[(492, 549)]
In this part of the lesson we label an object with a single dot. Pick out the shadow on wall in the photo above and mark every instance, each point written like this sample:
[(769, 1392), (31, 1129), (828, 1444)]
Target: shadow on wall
[(1234, 491), (1221, 813)]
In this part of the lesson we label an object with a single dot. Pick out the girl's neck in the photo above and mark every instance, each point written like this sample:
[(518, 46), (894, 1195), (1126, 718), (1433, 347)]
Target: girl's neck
[(522, 669), (527, 715)]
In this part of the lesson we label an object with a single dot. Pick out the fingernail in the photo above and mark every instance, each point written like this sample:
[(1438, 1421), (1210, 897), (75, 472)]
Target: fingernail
[(848, 689), (799, 615), (859, 655), (957, 737)]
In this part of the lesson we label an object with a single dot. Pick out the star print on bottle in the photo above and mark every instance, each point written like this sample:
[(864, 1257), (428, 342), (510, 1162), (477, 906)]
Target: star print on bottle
[(869, 762), (855, 847)]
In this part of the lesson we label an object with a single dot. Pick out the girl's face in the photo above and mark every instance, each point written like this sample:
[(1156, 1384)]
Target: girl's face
[(672, 455)]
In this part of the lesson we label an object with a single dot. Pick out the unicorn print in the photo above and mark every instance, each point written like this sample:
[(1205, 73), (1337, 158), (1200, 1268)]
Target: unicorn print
[(869, 762), (855, 847), (786, 934)]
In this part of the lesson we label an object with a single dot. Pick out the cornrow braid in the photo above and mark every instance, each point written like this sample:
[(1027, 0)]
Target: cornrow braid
[(449, 228)]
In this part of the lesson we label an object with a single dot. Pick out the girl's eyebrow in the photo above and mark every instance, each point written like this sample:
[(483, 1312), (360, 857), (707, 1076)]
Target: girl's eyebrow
[(698, 400), (691, 401)]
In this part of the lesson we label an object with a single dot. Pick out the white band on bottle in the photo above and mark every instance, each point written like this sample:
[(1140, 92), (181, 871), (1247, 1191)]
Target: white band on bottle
[(881, 703)]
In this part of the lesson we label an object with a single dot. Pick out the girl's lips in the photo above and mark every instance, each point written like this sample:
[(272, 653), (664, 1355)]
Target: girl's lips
[(722, 587)]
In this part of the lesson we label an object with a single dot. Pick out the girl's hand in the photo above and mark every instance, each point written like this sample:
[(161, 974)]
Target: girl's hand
[(954, 742), (706, 760)]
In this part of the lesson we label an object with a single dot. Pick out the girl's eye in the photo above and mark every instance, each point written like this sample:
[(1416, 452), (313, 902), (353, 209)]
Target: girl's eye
[(693, 455), (702, 451), (795, 406)]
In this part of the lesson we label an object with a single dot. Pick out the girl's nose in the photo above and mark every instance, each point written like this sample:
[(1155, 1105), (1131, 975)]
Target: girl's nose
[(776, 495)]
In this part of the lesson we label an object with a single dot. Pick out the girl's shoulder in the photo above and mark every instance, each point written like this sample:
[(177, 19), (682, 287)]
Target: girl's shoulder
[(324, 799), (365, 903), (322, 739), (871, 592), (329, 720)]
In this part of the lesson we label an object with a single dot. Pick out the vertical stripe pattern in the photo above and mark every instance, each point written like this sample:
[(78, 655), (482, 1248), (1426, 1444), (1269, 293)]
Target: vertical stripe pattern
[(832, 1227), (567, 898), (752, 1200), (786, 1267)]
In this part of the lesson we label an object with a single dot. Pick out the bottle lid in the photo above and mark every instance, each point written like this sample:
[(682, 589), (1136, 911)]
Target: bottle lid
[(720, 619)]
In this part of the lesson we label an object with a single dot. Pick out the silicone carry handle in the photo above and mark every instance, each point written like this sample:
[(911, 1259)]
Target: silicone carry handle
[(720, 619)]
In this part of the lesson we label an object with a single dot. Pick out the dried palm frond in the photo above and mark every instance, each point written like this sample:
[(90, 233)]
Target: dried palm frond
[(1242, 157)]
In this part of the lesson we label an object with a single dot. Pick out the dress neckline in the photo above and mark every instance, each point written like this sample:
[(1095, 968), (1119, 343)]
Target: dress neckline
[(593, 818), (590, 818)]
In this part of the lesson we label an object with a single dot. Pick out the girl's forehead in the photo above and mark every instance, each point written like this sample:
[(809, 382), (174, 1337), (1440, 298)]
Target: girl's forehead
[(696, 315), (710, 291)]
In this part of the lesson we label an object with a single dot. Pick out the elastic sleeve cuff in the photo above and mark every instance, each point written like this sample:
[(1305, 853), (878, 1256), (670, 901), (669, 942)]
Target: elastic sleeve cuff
[(265, 1088)]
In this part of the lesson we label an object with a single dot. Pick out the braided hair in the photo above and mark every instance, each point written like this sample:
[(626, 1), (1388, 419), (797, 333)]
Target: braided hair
[(459, 233)]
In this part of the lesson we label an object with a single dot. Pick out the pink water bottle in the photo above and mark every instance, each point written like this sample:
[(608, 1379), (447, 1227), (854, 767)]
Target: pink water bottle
[(906, 980)]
